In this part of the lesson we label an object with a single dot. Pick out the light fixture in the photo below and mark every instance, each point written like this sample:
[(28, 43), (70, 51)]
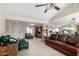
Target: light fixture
[(72, 22), (32, 24)]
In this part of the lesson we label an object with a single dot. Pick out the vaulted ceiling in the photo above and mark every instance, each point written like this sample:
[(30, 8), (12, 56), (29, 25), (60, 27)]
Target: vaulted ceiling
[(65, 16), (70, 9), (28, 11)]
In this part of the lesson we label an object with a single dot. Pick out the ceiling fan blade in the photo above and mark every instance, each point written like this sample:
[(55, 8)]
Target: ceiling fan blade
[(45, 11), (40, 5), (57, 8)]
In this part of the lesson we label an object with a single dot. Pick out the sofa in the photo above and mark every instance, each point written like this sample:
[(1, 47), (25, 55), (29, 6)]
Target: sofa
[(68, 45), (28, 36), (4, 40)]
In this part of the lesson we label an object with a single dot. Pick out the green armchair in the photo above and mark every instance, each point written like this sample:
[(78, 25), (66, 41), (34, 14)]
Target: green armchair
[(23, 44)]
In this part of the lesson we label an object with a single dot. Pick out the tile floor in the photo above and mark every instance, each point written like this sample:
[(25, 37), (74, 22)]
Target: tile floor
[(38, 48)]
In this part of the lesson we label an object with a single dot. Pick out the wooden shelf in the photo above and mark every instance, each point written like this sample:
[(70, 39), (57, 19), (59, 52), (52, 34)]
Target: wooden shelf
[(38, 31)]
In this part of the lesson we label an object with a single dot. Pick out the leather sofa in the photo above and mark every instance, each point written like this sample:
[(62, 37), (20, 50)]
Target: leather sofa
[(28, 36), (68, 45), (4, 40)]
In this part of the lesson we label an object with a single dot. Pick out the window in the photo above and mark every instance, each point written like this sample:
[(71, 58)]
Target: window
[(56, 30), (29, 30)]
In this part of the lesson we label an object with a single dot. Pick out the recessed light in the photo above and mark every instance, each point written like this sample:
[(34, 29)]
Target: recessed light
[(32, 24)]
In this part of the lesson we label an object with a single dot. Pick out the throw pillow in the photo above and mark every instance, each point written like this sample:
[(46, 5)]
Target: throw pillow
[(71, 40), (62, 37)]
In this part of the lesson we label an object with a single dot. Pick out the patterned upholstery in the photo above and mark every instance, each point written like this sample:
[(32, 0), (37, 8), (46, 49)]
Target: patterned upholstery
[(62, 37), (71, 40), (53, 36), (77, 38), (66, 44), (77, 45)]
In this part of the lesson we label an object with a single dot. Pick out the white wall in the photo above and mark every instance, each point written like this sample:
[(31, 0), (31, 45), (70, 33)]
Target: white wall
[(2, 25), (17, 29), (35, 20)]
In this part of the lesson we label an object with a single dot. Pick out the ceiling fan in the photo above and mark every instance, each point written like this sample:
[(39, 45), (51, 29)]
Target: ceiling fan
[(49, 6)]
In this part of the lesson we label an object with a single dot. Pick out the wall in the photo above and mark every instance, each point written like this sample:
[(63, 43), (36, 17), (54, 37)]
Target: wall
[(17, 29), (2, 25), (35, 20)]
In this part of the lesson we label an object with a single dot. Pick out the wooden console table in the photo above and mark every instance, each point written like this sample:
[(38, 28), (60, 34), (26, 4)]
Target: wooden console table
[(9, 50)]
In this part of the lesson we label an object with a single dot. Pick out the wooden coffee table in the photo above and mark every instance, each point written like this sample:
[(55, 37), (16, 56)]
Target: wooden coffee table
[(3, 51), (9, 50)]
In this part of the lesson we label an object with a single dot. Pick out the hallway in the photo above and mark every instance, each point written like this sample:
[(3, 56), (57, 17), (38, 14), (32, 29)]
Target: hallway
[(38, 48)]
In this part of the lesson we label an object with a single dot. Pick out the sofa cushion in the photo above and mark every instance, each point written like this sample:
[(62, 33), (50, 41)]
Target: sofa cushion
[(53, 36), (4, 40), (62, 44), (62, 37), (71, 40)]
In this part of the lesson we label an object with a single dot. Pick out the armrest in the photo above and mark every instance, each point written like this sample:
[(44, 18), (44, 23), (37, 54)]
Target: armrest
[(47, 37), (77, 45)]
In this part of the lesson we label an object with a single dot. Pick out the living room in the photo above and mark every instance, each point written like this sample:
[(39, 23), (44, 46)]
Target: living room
[(32, 27)]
